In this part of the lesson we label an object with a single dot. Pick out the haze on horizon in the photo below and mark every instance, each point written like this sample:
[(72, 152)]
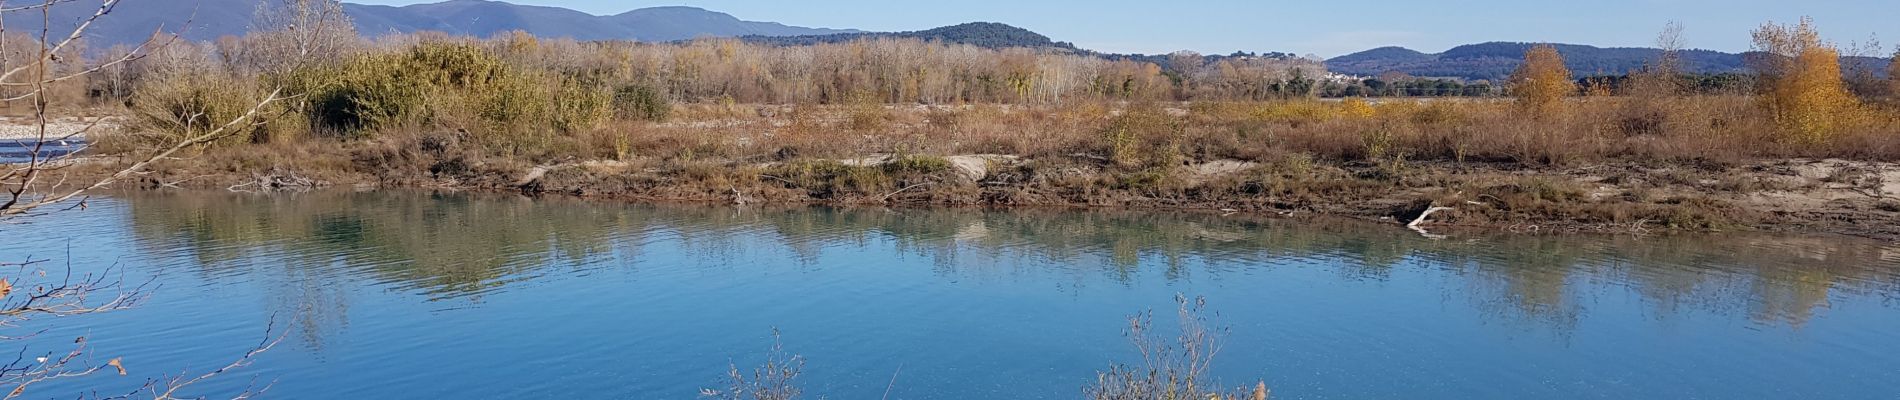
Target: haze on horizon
[(1321, 28)]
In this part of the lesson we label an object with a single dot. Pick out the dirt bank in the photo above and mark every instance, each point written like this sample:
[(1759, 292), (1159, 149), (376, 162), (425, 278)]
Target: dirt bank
[(1797, 195)]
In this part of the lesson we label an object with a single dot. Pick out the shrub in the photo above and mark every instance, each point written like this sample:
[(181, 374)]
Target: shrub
[(1298, 113), (1172, 368), (183, 104), (362, 95), (829, 179), (453, 84), (1542, 82), (1356, 108), (1804, 89), (917, 164), (1144, 135), (640, 103), (581, 104)]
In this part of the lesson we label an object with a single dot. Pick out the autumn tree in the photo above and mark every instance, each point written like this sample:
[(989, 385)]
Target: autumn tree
[(1801, 81), (1542, 82)]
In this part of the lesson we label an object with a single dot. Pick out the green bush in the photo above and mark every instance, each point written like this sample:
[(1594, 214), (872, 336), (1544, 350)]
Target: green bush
[(363, 95), (640, 103), (450, 84)]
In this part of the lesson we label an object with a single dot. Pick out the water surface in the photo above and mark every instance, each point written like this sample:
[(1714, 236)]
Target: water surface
[(20, 151), (418, 295)]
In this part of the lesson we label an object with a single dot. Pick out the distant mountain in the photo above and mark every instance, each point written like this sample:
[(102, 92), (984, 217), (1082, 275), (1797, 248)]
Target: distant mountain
[(981, 34), (1496, 61), (994, 35), (485, 18), (135, 20)]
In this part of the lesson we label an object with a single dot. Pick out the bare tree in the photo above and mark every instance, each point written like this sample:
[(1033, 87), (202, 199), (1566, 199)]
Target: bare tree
[(288, 33), (1661, 78), (40, 185)]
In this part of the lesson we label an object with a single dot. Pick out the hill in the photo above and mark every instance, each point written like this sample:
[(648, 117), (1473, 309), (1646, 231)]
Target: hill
[(980, 34), (995, 35), (1496, 60), (134, 20)]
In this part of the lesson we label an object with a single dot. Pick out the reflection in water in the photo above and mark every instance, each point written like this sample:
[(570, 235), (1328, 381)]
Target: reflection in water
[(452, 245), (409, 290)]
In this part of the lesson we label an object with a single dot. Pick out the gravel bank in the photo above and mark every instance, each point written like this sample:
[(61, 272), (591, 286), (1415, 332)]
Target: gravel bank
[(15, 129)]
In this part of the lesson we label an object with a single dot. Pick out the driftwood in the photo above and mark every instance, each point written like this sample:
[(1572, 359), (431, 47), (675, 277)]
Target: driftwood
[(887, 197), (541, 171), (1422, 217)]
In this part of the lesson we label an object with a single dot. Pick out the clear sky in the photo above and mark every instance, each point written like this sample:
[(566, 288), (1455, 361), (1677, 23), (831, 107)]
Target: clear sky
[(1325, 28)]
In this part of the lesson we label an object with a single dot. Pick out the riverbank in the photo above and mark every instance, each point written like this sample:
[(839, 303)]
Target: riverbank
[(1482, 165), (1795, 196)]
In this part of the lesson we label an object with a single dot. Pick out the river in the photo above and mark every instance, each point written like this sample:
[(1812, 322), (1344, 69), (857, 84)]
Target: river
[(424, 295)]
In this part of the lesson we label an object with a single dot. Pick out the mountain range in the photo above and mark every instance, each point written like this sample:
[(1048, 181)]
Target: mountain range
[(981, 34), (135, 20), (1496, 60)]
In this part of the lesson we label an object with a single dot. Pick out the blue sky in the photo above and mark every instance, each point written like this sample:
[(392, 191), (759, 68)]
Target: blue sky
[(1325, 28)]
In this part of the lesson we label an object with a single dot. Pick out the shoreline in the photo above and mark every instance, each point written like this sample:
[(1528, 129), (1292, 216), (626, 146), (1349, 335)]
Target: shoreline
[(1797, 196)]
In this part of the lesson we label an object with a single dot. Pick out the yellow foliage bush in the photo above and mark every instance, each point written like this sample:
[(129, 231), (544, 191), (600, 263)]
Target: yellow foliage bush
[(1542, 82), (1803, 86), (1356, 108), (1296, 112)]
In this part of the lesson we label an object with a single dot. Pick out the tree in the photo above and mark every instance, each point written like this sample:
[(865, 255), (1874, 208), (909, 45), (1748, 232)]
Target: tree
[(288, 34), (1801, 81), (296, 31), (1660, 79), (1542, 82)]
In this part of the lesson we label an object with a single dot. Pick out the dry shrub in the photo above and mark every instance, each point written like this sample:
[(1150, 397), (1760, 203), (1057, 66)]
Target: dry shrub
[(1034, 132), (827, 179), (640, 103), (1177, 369), (187, 103), (776, 379), (1144, 136), (1300, 113)]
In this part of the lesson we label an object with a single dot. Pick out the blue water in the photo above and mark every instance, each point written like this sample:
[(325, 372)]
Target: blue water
[(21, 151), (417, 295)]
